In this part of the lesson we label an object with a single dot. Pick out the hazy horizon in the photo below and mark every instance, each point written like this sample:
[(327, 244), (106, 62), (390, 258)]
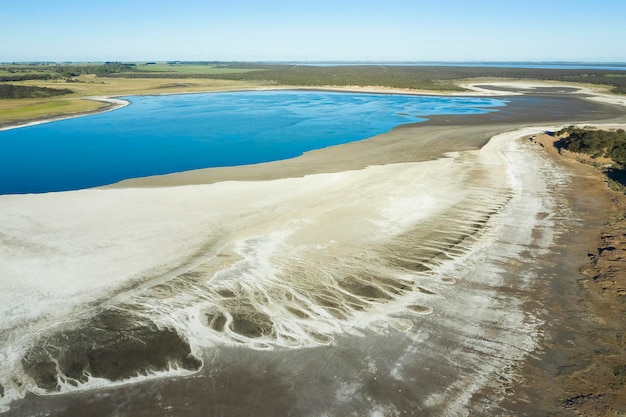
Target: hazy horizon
[(321, 31), (337, 62)]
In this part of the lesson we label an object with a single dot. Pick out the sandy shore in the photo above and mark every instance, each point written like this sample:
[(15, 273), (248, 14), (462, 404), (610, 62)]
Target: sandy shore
[(113, 104), (437, 137), (331, 283)]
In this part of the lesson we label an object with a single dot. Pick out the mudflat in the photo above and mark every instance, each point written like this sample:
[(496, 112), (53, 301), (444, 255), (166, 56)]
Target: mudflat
[(411, 143)]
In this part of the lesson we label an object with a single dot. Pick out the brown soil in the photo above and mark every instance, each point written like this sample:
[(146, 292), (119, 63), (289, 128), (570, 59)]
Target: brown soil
[(607, 268), (582, 371)]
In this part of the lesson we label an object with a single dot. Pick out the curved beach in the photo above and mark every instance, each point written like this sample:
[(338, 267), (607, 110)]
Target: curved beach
[(421, 271)]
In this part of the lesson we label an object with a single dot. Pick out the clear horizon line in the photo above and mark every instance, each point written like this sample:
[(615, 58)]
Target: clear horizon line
[(565, 62)]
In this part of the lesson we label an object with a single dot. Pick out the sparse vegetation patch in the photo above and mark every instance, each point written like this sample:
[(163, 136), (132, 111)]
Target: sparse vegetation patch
[(10, 91), (596, 143), (599, 143)]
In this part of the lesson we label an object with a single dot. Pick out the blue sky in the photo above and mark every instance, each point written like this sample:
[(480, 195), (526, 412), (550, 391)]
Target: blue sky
[(249, 30)]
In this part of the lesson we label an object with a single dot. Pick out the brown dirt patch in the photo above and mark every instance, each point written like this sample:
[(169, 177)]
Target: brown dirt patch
[(582, 369)]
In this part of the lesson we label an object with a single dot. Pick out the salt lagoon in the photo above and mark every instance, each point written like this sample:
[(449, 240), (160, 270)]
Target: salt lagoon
[(411, 282), (173, 133)]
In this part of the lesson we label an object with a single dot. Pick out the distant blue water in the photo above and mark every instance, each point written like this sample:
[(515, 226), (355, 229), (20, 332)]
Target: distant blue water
[(611, 66), (165, 134)]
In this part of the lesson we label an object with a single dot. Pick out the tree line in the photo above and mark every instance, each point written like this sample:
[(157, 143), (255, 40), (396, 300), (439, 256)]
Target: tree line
[(60, 71), (417, 77), (10, 91), (398, 76), (24, 77)]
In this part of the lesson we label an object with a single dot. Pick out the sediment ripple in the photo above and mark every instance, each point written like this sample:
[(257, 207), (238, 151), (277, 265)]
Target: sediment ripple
[(344, 252)]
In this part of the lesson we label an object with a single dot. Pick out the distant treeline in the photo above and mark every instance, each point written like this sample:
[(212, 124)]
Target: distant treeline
[(9, 91), (99, 70), (24, 77), (597, 143), (418, 77), (60, 71)]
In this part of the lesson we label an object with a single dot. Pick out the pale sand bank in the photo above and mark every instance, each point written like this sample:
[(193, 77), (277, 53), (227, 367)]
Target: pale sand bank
[(64, 251)]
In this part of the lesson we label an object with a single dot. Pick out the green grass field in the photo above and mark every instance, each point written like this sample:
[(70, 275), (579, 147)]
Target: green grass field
[(196, 69), (22, 74), (6, 72), (22, 110)]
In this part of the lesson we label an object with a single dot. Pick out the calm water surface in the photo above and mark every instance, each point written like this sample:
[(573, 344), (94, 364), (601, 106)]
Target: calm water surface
[(165, 134)]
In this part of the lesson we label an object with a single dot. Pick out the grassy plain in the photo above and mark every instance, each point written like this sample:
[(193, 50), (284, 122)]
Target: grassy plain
[(31, 109), (6, 73), (194, 68)]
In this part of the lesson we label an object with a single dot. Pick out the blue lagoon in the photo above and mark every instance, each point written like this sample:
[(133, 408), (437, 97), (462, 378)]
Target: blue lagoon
[(165, 134)]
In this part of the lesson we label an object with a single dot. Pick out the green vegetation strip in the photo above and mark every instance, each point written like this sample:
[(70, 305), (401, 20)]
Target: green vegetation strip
[(418, 77), (436, 78), (596, 143), (193, 69), (10, 91), (599, 143)]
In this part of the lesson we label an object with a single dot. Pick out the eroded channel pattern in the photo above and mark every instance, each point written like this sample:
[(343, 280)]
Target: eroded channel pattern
[(276, 290)]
